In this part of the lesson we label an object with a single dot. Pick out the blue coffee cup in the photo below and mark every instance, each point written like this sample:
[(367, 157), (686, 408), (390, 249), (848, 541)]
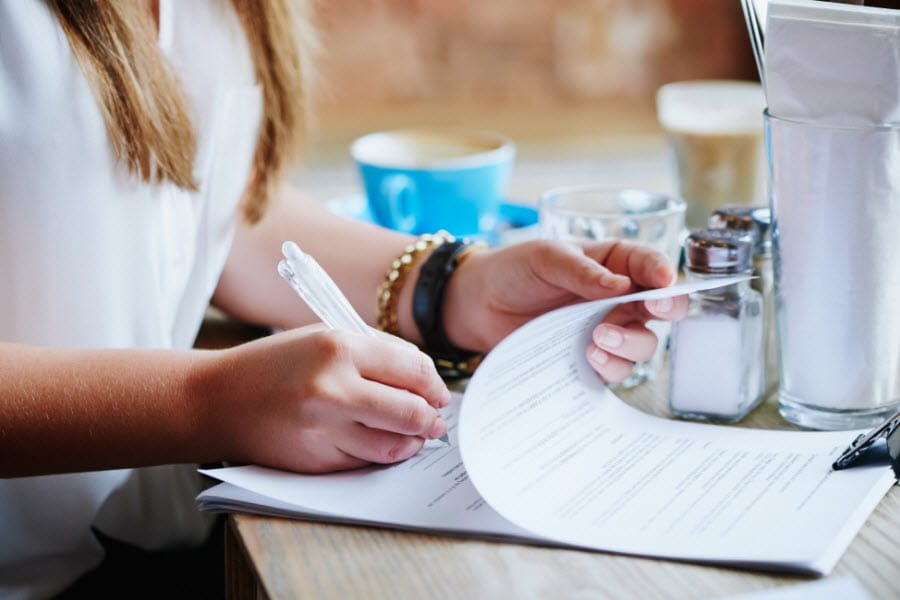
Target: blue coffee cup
[(422, 180)]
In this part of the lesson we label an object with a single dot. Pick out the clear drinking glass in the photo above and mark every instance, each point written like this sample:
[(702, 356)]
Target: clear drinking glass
[(598, 212), (835, 199)]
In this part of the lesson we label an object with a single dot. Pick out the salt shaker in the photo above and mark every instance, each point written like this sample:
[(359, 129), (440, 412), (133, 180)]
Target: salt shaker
[(717, 349), (755, 222)]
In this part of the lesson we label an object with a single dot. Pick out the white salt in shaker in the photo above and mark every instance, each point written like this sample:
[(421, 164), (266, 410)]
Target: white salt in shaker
[(756, 223), (717, 349)]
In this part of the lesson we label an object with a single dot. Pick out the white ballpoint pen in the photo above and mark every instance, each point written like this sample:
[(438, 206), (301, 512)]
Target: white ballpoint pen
[(321, 293)]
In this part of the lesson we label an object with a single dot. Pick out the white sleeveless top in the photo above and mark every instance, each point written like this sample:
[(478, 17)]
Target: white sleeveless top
[(92, 257)]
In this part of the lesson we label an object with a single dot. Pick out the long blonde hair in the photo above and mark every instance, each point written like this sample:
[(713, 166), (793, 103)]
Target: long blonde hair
[(144, 107)]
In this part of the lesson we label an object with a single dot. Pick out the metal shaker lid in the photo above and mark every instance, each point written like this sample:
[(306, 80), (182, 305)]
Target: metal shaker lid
[(752, 221), (718, 251)]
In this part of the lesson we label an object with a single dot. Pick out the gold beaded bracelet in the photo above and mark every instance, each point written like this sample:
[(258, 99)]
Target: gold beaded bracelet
[(389, 290)]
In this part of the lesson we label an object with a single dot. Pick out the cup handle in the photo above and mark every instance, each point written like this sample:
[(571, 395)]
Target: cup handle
[(402, 202)]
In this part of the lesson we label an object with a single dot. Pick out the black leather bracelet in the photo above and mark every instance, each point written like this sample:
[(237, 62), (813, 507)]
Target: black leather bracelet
[(428, 311)]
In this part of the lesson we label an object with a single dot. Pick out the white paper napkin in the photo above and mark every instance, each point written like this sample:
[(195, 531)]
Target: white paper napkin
[(830, 63)]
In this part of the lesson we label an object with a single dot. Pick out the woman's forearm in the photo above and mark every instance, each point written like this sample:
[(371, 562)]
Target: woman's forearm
[(308, 400), (356, 255), (64, 410)]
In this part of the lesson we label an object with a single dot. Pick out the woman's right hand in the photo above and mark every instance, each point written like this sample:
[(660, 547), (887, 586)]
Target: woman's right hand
[(315, 400)]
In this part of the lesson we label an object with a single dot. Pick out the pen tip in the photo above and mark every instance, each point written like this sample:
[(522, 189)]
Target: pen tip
[(291, 251)]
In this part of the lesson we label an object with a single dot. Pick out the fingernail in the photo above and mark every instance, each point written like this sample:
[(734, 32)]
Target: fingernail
[(438, 428), (608, 337), (599, 357), (664, 270), (663, 305), (611, 280)]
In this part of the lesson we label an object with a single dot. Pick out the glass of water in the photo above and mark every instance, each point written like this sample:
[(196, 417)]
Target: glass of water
[(599, 212)]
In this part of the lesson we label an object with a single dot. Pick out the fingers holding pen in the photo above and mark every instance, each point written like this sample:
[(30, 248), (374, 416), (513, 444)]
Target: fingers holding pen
[(322, 400), (378, 446), (400, 364), (396, 388), (393, 407), (389, 409), (382, 424)]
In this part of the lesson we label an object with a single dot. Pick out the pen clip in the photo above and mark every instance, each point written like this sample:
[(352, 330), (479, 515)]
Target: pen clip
[(285, 270), (288, 274), (850, 456)]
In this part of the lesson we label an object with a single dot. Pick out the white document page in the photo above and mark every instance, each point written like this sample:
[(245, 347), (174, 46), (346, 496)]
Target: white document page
[(552, 449), (429, 491)]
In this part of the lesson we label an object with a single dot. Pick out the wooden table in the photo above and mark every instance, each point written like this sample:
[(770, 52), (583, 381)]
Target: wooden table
[(278, 558)]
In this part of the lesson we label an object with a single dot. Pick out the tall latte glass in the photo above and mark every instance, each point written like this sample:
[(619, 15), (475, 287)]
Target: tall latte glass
[(714, 129)]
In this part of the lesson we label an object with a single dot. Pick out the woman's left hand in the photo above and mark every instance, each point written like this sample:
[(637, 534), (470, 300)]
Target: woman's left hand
[(496, 291)]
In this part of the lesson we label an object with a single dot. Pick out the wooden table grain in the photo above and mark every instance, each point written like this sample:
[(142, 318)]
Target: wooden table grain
[(281, 558)]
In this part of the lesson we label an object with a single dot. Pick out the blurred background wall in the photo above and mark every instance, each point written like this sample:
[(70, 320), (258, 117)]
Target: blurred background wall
[(577, 73), (522, 52)]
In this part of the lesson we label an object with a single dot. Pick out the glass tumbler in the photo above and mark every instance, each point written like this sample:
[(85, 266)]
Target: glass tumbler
[(835, 199), (599, 212)]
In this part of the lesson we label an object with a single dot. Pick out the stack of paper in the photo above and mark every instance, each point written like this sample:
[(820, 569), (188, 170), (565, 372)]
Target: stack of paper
[(543, 451)]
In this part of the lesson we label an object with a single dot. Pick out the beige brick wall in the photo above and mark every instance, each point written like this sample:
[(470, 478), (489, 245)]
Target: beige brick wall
[(526, 52)]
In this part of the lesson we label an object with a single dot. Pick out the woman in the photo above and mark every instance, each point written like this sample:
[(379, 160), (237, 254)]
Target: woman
[(141, 148)]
